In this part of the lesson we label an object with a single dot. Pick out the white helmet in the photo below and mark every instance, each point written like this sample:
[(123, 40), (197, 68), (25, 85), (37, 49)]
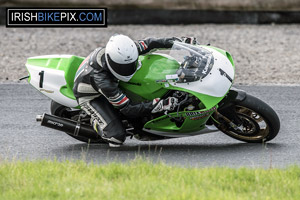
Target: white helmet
[(121, 56)]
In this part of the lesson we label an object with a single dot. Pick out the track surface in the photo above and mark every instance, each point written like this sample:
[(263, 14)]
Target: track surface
[(21, 138)]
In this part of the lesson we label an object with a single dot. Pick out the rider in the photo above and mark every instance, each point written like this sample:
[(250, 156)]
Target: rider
[(96, 84)]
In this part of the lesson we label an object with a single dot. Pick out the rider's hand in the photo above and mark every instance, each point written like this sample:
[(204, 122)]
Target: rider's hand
[(165, 104), (170, 41), (189, 40)]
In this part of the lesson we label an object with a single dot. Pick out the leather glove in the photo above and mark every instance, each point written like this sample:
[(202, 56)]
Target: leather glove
[(165, 104), (189, 40), (170, 41)]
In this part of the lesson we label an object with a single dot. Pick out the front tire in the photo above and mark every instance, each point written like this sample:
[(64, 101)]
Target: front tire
[(65, 112), (253, 121)]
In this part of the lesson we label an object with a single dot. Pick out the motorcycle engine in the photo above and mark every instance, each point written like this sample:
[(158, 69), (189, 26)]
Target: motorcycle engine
[(186, 101)]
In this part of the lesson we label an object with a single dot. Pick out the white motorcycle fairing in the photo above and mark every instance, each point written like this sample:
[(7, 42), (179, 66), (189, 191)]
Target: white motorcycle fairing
[(53, 81), (216, 83)]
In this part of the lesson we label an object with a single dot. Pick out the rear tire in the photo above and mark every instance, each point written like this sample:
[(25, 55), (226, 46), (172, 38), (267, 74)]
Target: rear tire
[(256, 121), (63, 111)]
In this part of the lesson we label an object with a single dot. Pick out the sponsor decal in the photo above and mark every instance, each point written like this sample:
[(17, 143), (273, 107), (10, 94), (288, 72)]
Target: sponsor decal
[(128, 59), (199, 117), (161, 81), (200, 114), (48, 91), (55, 123), (56, 17), (223, 73)]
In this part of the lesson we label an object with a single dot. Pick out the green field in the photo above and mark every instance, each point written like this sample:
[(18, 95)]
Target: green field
[(142, 180)]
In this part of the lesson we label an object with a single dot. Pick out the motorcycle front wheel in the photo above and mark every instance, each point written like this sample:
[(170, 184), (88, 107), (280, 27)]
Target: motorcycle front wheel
[(250, 120)]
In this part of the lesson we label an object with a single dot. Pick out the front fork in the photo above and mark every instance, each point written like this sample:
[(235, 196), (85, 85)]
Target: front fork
[(234, 124), (226, 111)]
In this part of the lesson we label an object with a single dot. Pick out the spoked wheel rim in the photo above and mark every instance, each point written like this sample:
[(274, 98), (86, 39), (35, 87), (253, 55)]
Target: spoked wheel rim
[(251, 127)]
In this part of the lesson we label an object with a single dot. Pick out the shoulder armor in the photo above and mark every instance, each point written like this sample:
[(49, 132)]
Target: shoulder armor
[(95, 58)]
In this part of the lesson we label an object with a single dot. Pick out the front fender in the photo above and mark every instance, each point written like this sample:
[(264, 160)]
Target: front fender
[(234, 95)]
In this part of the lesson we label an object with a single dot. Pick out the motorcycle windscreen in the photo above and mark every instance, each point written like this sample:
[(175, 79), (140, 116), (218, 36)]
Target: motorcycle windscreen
[(202, 70)]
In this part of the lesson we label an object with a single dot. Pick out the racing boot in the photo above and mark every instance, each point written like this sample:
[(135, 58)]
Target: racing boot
[(104, 132)]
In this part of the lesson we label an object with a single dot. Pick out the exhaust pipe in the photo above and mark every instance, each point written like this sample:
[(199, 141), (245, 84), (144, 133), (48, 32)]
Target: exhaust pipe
[(69, 126)]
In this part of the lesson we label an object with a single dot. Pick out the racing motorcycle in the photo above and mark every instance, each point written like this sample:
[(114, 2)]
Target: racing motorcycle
[(199, 76)]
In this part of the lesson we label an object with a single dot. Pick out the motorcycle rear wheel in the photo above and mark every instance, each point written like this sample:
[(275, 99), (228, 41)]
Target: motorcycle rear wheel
[(62, 111), (256, 121)]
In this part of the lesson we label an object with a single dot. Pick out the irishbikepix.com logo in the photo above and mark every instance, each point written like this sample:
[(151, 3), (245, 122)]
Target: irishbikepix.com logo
[(56, 17)]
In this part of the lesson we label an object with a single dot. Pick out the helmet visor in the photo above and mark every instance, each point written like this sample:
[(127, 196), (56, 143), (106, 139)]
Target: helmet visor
[(122, 69)]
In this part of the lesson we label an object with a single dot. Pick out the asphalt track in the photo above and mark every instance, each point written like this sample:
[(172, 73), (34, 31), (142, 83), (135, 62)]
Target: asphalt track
[(21, 138)]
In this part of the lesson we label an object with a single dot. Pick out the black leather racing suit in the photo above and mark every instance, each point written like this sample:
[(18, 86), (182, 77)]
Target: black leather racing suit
[(97, 91)]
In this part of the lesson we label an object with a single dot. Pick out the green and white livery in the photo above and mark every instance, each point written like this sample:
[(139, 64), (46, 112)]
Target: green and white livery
[(53, 75), (201, 77)]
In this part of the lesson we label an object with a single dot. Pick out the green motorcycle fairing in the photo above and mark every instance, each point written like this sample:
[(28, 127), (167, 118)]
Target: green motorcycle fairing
[(64, 63), (149, 82)]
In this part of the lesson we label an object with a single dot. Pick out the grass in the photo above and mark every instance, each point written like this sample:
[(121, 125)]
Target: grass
[(142, 180)]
